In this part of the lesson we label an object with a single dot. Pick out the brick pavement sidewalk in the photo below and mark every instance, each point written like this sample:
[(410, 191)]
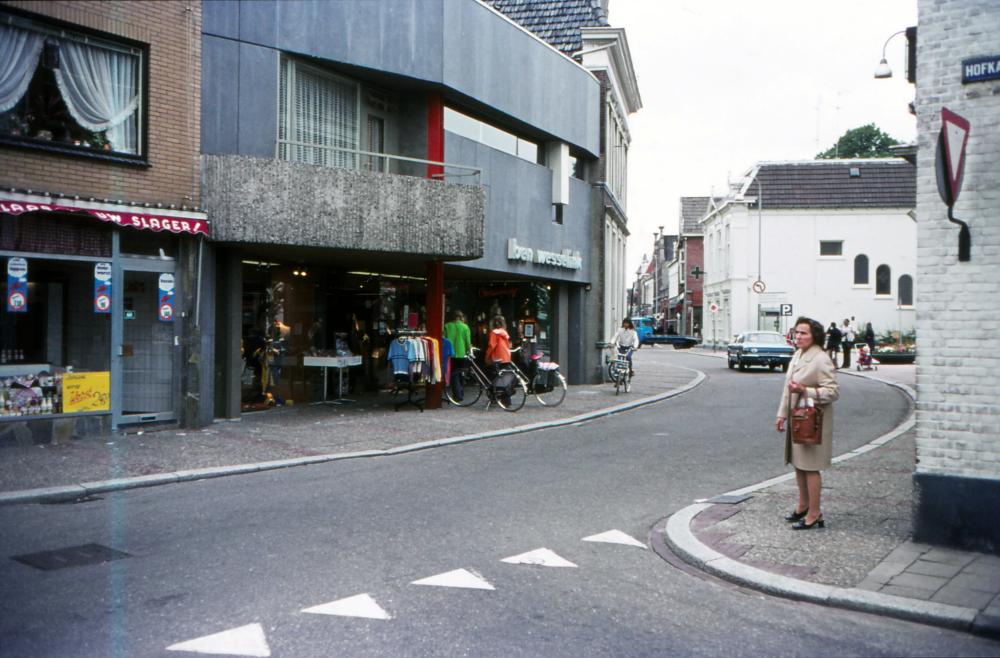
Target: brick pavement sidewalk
[(865, 546), (302, 432)]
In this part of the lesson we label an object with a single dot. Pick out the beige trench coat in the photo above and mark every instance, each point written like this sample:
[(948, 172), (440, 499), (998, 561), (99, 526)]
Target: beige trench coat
[(814, 370)]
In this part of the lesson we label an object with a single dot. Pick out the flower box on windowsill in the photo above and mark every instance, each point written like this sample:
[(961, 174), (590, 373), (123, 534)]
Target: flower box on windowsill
[(894, 359)]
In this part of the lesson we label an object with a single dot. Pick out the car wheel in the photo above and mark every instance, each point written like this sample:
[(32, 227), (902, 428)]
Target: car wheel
[(732, 365), (784, 367), (742, 365)]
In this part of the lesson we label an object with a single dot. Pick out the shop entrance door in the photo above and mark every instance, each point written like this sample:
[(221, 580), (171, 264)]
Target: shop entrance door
[(147, 345)]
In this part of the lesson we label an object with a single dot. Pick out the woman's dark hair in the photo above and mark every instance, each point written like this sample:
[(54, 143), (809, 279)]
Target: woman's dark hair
[(815, 328), (628, 321), (498, 322)]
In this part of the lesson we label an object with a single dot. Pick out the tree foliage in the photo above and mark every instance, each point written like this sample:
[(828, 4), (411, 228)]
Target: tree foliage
[(864, 142)]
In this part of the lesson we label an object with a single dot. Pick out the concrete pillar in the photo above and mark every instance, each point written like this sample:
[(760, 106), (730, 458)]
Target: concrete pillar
[(435, 321), (435, 133), (576, 373), (228, 332)]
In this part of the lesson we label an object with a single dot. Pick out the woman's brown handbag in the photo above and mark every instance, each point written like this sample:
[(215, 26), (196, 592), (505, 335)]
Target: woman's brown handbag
[(807, 426)]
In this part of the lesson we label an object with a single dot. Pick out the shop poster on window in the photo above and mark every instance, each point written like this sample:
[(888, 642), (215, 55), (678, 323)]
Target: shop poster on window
[(102, 288), (86, 391), (167, 297), (17, 285)]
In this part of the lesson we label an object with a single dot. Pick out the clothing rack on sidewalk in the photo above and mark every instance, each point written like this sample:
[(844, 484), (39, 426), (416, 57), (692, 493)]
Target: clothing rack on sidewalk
[(405, 382)]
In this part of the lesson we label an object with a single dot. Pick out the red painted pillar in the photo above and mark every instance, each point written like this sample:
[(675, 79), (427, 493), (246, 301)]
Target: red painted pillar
[(435, 133), (435, 322)]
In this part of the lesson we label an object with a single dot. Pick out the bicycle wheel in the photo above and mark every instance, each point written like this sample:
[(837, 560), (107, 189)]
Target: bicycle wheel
[(618, 380), (549, 394), (627, 378), (612, 370), (472, 390), (511, 392)]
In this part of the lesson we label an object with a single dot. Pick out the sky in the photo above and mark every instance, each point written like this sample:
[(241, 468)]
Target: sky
[(728, 83)]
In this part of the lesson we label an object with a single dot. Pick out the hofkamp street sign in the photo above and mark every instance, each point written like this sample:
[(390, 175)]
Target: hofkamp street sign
[(980, 70)]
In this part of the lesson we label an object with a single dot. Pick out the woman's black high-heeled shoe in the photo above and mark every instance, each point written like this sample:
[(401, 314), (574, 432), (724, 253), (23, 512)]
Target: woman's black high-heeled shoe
[(802, 525), (796, 516)]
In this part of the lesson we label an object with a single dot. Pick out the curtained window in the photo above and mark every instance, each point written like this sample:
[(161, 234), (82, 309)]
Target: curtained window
[(317, 117), (57, 86)]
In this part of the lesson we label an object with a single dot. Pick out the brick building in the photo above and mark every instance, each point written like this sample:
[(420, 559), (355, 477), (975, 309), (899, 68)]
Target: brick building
[(686, 286), (99, 204), (958, 302)]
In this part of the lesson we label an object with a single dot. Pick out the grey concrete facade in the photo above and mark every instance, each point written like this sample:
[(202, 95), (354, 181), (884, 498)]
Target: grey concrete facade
[(268, 201)]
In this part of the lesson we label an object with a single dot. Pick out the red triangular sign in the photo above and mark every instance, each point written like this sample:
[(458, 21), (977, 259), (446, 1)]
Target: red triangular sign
[(956, 135)]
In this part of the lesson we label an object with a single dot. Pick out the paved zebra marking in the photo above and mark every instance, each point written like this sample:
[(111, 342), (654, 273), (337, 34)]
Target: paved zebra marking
[(456, 578), (361, 605), (243, 641), (541, 557), (615, 537)]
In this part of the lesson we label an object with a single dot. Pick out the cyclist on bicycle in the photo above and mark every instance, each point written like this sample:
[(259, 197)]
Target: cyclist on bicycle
[(627, 340)]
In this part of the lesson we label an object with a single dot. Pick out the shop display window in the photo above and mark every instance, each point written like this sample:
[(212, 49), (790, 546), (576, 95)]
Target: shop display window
[(54, 335)]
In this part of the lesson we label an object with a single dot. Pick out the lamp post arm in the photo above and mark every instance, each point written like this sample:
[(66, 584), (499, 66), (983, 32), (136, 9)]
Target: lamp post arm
[(890, 39)]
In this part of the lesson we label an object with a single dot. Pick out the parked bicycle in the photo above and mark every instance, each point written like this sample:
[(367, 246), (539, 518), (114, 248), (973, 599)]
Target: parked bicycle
[(545, 381), (508, 388), (620, 370)]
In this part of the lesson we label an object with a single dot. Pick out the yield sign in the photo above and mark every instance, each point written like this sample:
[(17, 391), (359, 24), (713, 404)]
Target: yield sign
[(954, 137)]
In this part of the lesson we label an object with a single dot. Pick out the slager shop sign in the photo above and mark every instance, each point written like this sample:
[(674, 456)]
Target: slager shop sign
[(17, 285), (980, 70)]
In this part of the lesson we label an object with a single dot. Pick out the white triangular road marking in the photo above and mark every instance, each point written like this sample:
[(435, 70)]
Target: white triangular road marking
[(361, 605), (456, 578), (243, 641), (956, 137), (615, 537), (542, 557)]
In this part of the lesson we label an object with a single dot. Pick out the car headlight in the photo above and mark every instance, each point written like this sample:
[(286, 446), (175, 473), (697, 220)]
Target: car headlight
[(753, 350)]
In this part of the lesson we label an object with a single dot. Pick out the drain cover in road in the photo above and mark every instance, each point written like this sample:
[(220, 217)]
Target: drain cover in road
[(75, 556), (361, 605), (615, 537), (243, 641), (541, 557), (729, 499), (456, 578)]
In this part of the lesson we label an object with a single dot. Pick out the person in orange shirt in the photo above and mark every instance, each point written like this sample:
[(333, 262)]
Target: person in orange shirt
[(498, 350)]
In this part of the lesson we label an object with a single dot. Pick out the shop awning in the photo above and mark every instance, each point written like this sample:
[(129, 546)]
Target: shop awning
[(178, 221)]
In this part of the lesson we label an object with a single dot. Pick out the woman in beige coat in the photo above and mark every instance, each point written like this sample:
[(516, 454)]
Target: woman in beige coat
[(811, 375)]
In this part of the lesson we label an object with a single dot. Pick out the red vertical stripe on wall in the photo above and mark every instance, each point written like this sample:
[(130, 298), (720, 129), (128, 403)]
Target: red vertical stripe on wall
[(435, 132)]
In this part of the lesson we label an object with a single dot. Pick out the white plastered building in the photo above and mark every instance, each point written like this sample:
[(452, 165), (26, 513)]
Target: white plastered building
[(834, 239)]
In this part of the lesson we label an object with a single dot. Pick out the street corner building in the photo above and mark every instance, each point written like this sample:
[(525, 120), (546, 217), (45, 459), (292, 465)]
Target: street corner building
[(957, 481), (108, 315)]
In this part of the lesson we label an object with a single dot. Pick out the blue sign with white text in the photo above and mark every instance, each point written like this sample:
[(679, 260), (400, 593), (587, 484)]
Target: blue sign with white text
[(978, 70)]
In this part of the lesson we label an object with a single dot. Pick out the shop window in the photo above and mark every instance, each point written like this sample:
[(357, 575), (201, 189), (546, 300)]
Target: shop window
[(317, 116), (57, 86), (159, 244), (831, 248), (883, 280), (52, 329), (861, 270), (905, 286), (557, 213)]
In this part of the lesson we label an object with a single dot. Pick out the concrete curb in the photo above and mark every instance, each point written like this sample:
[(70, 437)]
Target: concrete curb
[(73, 492), (680, 540)]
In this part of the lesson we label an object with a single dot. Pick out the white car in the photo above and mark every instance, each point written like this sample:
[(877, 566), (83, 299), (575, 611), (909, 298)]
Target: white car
[(760, 348)]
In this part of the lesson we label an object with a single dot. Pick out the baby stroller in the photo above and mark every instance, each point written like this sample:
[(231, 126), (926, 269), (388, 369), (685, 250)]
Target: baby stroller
[(865, 359)]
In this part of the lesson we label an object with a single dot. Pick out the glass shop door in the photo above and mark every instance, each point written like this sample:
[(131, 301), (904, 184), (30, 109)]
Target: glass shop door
[(148, 346)]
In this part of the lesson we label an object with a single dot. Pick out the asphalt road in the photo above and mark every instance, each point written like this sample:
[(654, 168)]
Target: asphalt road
[(223, 554)]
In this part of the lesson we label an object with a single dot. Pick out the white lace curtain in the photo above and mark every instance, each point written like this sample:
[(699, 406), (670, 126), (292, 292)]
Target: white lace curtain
[(19, 51), (100, 90)]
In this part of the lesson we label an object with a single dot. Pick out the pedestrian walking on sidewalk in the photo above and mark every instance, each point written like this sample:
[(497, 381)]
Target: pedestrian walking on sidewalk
[(811, 375), (870, 338), (461, 342), (848, 336), (833, 337)]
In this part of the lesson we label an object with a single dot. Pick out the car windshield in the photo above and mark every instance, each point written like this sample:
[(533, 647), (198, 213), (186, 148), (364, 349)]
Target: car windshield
[(766, 339)]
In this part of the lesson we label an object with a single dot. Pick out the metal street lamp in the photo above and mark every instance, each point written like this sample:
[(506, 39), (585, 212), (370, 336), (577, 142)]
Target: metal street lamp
[(883, 70)]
